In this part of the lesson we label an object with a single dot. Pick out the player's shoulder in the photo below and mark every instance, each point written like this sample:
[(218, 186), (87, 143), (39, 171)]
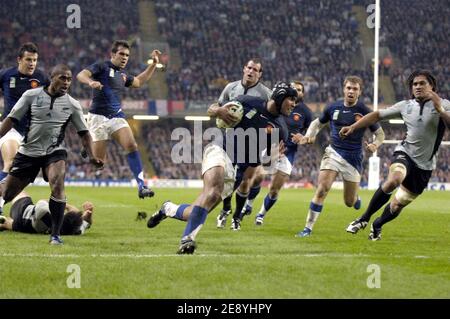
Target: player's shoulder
[(250, 101), (74, 102), (34, 92), (11, 71)]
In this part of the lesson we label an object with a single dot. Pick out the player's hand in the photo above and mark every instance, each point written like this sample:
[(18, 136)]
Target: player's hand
[(98, 163), (155, 56), (296, 138), (88, 206), (281, 149), (346, 131), (96, 85), (307, 140), (224, 114), (371, 147), (435, 98)]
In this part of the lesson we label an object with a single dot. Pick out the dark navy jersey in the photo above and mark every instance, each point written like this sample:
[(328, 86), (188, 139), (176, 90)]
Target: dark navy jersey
[(339, 116), (255, 116), (14, 84), (108, 100), (298, 121)]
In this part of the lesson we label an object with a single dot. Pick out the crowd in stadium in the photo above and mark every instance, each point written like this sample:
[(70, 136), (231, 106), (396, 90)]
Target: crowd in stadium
[(301, 41), (412, 47), (70, 46)]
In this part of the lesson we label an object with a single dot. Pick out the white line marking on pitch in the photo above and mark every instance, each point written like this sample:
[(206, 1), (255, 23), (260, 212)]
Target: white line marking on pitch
[(137, 256)]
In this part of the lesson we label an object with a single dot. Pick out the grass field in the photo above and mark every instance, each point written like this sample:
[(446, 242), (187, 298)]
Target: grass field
[(120, 257)]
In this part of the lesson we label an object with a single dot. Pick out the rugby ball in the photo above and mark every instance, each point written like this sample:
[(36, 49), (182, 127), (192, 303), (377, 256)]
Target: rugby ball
[(235, 108)]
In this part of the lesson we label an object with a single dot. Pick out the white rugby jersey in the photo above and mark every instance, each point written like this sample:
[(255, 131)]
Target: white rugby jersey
[(48, 118), (424, 130)]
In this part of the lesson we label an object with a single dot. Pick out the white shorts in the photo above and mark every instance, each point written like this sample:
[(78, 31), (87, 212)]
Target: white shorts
[(11, 135), (282, 164), (214, 156), (333, 161), (102, 127)]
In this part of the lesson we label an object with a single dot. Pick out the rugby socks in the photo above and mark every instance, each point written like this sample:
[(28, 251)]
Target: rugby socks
[(267, 205), (378, 200), (134, 161), (57, 207), (195, 222), (227, 203), (3, 175), (241, 198), (176, 211), (313, 214), (254, 191), (386, 217)]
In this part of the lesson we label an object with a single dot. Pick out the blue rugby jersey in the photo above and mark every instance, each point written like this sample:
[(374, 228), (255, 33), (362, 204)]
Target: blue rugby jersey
[(255, 116), (339, 116), (14, 84), (108, 100)]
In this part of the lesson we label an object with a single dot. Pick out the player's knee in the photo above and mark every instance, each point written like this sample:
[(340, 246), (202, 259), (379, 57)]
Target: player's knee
[(131, 147), (214, 195), (391, 184), (322, 191), (402, 198)]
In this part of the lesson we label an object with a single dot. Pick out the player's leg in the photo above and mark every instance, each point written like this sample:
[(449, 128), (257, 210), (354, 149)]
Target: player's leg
[(414, 183), (218, 180), (326, 179), (226, 210), (24, 170), (254, 190), (397, 173), (241, 196), (124, 136), (402, 198), (54, 172), (8, 151), (278, 180)]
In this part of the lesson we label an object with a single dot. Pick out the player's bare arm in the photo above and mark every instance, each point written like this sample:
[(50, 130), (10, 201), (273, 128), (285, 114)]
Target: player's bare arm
[(86, 141), (313, 129), (379, 138), (7, 124), (147, 74), (437, 103), (85, 77), (365, 121)]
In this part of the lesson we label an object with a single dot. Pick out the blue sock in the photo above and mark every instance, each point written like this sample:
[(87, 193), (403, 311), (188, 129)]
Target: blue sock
[(195, 221), (315, 207), (254, 191), (134, 161), (180, 210), (269, 202), (3, 175)]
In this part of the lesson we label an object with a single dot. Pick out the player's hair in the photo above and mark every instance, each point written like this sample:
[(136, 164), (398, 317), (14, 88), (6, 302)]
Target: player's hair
[(71, 223), (28, 47), (298, 82), (354, 79), (119, 43), (430, 78), (256, 61), (58, 69)]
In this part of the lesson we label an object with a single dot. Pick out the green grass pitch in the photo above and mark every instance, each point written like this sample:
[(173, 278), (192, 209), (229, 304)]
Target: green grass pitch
[(120, 257)]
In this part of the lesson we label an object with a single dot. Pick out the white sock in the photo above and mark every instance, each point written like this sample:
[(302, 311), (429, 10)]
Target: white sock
[(170, 209), (311, 218)]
